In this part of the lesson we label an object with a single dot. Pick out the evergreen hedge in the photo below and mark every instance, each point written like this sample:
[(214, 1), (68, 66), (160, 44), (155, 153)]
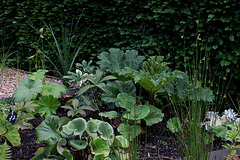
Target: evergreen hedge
[(172, 28)]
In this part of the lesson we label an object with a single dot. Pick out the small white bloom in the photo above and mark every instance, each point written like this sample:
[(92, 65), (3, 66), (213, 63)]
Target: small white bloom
[(230, 114)]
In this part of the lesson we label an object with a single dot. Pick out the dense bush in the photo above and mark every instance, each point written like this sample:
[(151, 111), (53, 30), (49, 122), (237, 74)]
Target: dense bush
[(175, 29)]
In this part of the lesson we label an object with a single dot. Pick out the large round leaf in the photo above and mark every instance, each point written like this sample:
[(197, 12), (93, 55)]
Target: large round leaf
[(78, 126), (92, 127), (129, 131), (53, 89), (47, 131), (27, 90), (137, 112), (106, 131), (155, 115)]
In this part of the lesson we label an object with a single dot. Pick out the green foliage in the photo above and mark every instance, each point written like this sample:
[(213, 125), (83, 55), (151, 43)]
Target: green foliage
[(34, 85), (169, 28), (174, 124), (48, 105), (5, 152), (96, 80), (61, 135), (75, 107), (27, 90), (109, 115), (12, 135), (112, 89)]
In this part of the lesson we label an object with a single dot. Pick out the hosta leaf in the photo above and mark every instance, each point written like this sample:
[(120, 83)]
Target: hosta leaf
[(53, 89), (47, 131), (155, 115), (27, 90), (47, 105), (112, 89)]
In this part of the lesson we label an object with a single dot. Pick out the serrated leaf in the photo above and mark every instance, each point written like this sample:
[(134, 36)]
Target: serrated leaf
[(40, 74), (174, 124), (220, 131), (48, 105), (5, 152)]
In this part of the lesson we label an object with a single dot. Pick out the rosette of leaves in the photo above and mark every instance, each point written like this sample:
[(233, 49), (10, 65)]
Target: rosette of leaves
[(11, 133), (61, 135), (34, 85), (47, 105), (75, 106)]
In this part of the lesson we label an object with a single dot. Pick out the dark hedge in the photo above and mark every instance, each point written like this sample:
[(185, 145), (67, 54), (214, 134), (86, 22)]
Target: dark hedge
[(175, 29)]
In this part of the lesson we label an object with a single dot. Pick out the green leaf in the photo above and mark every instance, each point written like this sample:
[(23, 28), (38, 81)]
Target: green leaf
[(40, 74), (5, 152), (92, 127), (67, 155), (48, 105), (109, 115), (47, 131), (174, 124), (155, 115), (78, 144), (99, 146), (112, 89), (12, 135), (129, 131), (126, 101), (53, 89), (27, 90), (137, 112), (99, 156), (225, 63), (77, 126), (62, 142), (231, 38), (220, 131), (115, 60), (106, 131), (120, 141)]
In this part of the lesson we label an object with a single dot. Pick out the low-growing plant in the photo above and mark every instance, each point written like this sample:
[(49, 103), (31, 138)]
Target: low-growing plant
[(5, 151), (9, 131), (34, 86), (75, 106), (79, 137)]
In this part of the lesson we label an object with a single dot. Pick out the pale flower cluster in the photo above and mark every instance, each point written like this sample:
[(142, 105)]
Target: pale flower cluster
[(214, 120)]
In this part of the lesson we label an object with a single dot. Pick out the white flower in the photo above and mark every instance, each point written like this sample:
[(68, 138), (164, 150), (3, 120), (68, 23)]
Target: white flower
[(230, 114)]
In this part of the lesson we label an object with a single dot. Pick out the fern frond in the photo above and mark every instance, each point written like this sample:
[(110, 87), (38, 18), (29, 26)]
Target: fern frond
[(5, 152)]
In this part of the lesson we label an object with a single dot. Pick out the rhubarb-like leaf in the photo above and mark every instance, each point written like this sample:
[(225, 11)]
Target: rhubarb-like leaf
[(27, 90), (112, 89)]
